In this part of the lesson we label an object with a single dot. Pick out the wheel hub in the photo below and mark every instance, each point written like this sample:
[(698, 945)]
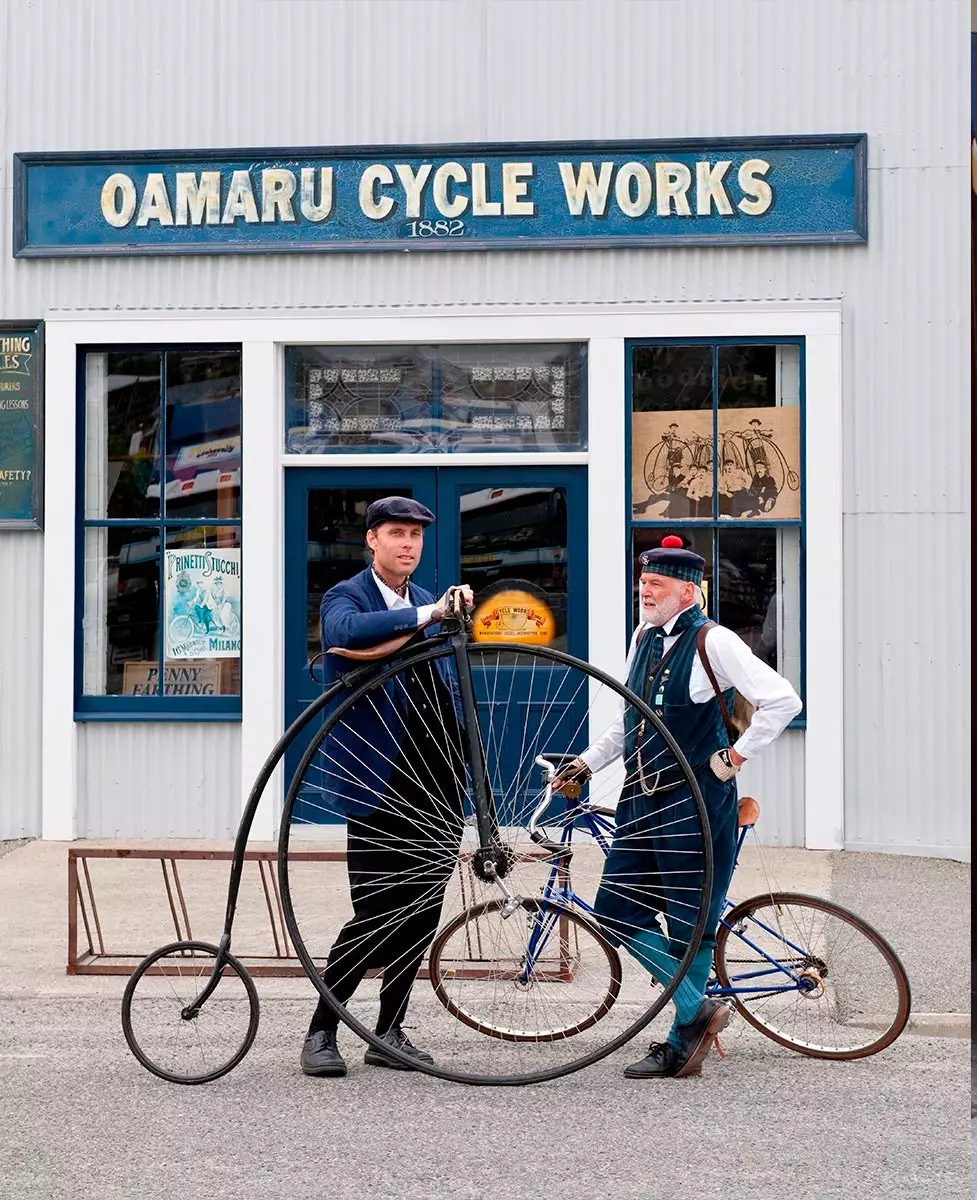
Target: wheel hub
[(491, 863)]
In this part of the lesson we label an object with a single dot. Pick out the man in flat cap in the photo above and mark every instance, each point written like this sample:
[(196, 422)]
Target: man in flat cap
[(385, 769), (680, 663)]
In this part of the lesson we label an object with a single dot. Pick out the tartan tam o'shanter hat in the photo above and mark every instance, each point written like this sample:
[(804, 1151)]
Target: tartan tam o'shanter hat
[(671, 559)]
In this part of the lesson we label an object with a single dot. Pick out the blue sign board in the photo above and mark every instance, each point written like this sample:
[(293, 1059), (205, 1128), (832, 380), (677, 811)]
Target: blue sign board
[(504, 196), (21, 424)]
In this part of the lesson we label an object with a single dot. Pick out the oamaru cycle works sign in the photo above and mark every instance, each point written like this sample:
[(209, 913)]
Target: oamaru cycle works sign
[(506, 196)]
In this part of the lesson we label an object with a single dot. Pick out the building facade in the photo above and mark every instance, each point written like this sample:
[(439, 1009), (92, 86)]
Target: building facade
[(589, 282)]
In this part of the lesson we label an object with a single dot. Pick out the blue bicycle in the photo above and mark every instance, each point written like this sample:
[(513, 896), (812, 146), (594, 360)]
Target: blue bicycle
[(802, 970)]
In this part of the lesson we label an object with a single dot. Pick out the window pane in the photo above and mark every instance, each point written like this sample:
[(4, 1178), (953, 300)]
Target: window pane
[(759, 594), (424, 398), (203, 433), (511, 396), (759, 432), (336, 545), (121, 616), (699, 540), (122, 407), (513, 554), (671, 432), (202, 604)]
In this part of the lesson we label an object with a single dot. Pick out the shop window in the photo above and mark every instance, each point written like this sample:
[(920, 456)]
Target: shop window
[(434, 398), (159, 547), (716, 457)]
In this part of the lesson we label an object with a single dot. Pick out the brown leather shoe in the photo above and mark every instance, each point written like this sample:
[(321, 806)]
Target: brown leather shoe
[(697, 1036)]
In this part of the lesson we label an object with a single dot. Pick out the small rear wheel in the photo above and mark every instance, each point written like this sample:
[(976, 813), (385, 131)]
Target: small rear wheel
[(827, 984), (165, 1030), (533, 973)]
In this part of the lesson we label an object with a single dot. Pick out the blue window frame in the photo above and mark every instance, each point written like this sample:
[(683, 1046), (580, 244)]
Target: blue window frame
[(715, 443), (158, 546)]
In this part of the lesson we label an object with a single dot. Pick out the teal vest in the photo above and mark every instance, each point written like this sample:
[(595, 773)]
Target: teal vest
[(698, 728)]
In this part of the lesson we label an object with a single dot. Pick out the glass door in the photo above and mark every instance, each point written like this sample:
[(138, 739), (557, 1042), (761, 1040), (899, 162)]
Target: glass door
[(325, 518), (516, 535)]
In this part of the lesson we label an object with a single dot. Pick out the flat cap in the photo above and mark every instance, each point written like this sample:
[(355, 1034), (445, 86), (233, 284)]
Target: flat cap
[(671, 559), (397, 508)]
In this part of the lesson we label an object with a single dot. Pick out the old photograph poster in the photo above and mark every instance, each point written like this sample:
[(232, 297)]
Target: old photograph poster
[(676, 469), (21, 424), (203, 603)]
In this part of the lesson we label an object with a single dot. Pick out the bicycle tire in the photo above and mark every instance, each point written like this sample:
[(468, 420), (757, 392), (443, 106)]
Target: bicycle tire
[(188, 950), (883, 972), (441, 973), (302, 893)]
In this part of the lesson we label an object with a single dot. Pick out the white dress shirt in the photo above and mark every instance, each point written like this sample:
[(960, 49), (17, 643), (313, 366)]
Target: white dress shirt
[(736, 666), (393, 600)]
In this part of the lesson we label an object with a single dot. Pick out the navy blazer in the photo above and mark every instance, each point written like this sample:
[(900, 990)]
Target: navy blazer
[(356, 759)]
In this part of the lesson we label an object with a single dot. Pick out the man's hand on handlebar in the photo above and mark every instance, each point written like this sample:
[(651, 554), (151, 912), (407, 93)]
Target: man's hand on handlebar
[(450, 603), (571, 778)]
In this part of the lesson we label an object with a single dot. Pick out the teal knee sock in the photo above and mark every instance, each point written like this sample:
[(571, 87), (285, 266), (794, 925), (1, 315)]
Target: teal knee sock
[(651, 950)]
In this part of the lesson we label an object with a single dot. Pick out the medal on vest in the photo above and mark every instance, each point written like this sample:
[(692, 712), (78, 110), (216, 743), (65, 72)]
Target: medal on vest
[(660, 696)]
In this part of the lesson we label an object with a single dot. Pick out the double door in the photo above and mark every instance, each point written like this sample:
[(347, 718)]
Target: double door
[(501, 530)]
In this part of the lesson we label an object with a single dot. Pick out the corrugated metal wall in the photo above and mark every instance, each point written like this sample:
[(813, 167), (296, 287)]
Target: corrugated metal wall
[(21, 584), (293, 72), (159, 780)]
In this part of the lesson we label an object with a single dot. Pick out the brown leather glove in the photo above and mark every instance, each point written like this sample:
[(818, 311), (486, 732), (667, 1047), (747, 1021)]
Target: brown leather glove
[(570, 779)]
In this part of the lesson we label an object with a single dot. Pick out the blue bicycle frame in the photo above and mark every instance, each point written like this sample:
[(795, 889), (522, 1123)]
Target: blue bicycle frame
[(558, 893)]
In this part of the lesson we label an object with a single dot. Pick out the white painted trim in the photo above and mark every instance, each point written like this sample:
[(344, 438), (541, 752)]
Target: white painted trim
[(504, 458), (824, 775), (606, 498), (605, 327), (262, 704), (59, 734)]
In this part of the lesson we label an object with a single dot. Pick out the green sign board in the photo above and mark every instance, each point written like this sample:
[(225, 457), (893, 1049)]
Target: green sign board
[(21, 424)]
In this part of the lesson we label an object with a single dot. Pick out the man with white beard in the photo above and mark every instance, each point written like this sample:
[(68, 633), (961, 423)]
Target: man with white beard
[(683, 666)]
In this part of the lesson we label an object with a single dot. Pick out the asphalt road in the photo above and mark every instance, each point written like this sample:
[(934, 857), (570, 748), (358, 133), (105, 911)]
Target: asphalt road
[(80, 1118)]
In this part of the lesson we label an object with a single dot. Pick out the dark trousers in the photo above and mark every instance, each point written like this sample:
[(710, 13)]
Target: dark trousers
[(399, 860)]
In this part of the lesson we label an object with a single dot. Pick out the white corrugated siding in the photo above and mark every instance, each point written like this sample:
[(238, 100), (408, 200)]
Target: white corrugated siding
[(21, 583), (159, 780), (294, 73)]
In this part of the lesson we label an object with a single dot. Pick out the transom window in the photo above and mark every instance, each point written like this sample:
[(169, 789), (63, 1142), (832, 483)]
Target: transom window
[(434, 398), (717, 458)]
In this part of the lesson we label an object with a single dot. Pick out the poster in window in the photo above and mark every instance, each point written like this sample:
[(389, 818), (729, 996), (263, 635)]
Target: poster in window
[(21, 398), (203, 603), (671, 464), (759, 463)]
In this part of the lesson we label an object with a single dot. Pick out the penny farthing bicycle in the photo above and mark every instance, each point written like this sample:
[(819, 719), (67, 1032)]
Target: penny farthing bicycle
[(190, 1010)]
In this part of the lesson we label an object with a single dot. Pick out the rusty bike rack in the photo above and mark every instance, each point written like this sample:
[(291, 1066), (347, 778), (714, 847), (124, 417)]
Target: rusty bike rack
[(94, 958)]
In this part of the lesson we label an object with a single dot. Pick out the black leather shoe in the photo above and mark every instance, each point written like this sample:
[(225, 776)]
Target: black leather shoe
[(399, 1040), (697, 1036), (320, 1055), (659, 1063)]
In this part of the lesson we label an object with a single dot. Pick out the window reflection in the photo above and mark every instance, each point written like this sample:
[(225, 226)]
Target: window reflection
[(434, 398), (514, 557)]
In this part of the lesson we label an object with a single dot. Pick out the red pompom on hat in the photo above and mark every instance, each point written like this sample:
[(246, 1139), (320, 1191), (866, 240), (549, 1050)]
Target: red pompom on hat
[(670, 558)]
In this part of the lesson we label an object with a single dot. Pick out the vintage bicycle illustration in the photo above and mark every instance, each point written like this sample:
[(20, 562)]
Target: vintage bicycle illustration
[(753, 469)]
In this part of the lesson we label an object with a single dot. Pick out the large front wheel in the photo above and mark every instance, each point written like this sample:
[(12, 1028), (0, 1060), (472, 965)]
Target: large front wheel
[(388, 780)]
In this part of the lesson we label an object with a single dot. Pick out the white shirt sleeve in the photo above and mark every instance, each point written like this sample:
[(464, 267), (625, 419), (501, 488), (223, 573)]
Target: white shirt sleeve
[(424, 614), (736, 666), (610, 745)]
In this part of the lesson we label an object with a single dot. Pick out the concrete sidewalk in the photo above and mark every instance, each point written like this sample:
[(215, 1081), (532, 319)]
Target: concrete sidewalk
[(921, 906)]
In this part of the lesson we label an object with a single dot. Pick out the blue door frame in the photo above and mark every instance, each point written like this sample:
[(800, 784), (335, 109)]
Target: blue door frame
[(440, 489)]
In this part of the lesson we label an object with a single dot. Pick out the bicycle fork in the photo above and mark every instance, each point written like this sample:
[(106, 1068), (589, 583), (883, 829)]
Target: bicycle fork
[(490, 861)]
